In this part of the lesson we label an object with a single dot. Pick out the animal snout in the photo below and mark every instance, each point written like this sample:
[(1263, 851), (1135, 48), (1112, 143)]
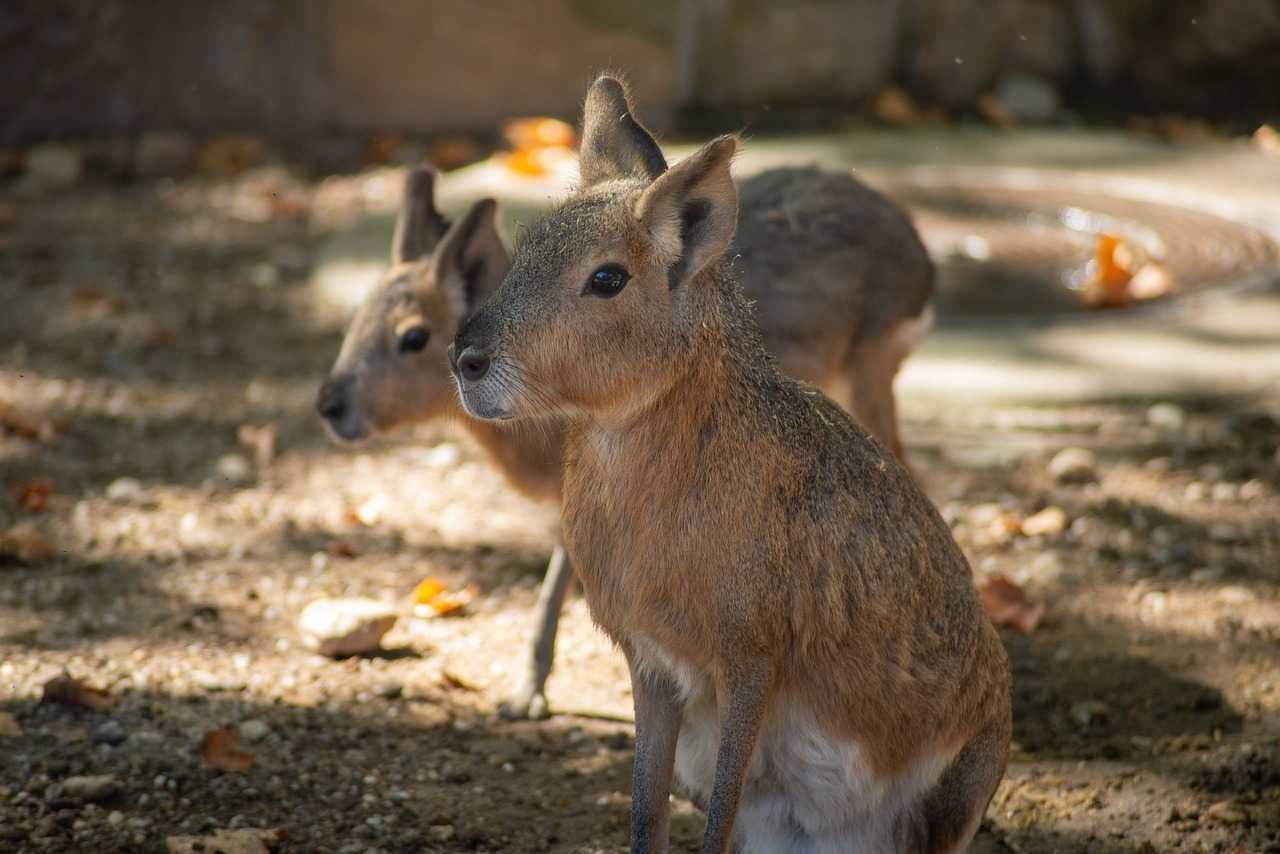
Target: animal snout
[(331, 402), (472, 364)]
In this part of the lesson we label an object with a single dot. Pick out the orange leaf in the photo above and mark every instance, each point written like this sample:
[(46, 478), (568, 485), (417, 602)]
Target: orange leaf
[(26, 426), (1007, 605), (71, 691), (220, 749), (368, 512), (32, 494), (427, 589), (539, 132)]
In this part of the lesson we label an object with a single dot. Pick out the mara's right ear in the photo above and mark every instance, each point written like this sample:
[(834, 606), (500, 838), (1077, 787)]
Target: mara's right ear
[(471, 258), (614, 143), (419, 227), (691, 211)]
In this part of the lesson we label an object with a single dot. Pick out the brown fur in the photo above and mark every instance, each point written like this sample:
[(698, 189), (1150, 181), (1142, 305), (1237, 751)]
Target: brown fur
[(835, 268), (757, 556)]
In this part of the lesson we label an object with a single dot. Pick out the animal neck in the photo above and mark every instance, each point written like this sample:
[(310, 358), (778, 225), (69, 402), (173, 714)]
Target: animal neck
[(528, 453)]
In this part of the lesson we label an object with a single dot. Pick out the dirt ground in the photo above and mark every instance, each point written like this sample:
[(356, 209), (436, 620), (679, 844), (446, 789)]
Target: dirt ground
[(143, 326)]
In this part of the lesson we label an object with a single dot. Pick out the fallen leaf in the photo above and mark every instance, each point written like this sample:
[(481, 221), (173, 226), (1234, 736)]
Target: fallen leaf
[(220, 749), (1108, 287), (32, 494), (9, 726), (241, 840), (432, 599), (368, 512), (1007, 605), (25, 544), (456, 682), (261, 441), (72, 692), (1267, 140), (24, 425), (539, 132)]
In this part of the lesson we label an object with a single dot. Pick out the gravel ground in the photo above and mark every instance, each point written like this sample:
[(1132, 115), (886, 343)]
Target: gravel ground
[(147, 326)]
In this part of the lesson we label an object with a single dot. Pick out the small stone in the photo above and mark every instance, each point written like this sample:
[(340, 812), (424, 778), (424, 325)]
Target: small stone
[(1046, 567), (115, 818), (1224, 534), (1089, 712), (1049, 522), (1196, 491), (125, 490), (339, 627), (53, 166), (442, 832), (1168, 417), (110, 732), (90, 788), (388, 690), (1237, 595), (164, 155), (1073, 465), (1028, 98), (254, 730), (145, 740), (234, 468), (1252, 490), (1224, 493)]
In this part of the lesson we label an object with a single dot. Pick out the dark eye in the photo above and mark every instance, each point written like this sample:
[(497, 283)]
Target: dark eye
[(414, 339), (607, 282)]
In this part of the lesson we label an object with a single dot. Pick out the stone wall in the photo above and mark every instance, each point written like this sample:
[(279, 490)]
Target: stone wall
[(286, 67)]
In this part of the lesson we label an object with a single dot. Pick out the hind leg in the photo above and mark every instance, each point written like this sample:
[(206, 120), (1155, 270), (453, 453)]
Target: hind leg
[(871, 371), (953, 809), (529, 700)]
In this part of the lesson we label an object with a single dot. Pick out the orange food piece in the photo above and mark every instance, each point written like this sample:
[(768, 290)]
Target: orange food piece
[(433, 596), (539, 132), (32, 494)]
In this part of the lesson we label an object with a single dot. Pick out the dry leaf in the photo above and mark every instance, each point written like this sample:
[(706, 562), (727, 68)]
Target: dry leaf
[(71, 691), (242, 840), (1267, 140), (23, 425), (32, 494), (9, 726), (456, 682), (220, 749), (368, 512), (25, 544), (1007, 605), (432, 599), (539, 132)]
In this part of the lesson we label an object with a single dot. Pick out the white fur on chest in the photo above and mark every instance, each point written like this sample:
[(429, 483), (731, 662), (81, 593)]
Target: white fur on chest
[(807, 792)]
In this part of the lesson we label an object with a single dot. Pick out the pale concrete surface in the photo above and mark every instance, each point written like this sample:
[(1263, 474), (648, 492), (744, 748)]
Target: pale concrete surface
[(1215, 343)]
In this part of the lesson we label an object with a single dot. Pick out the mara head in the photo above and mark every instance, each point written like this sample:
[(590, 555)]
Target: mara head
[(392, 368), (606, 293)]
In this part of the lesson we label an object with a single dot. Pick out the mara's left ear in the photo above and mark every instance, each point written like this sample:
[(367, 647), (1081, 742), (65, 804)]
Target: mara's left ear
[(691, 210), (419, 226), (614, 143), (471, 258)]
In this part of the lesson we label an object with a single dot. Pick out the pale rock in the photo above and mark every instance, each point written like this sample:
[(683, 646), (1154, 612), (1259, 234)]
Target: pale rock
[(1049, 522), (1168, 417), (338, 627), (97, 787), (53, 166), (1073, 465)]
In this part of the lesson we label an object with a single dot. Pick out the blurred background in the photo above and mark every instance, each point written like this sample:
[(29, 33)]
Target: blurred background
[(194, 197)]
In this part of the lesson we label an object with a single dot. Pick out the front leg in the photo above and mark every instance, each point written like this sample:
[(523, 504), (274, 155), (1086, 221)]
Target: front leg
[(742, 695), (530, 699), (659, 710)]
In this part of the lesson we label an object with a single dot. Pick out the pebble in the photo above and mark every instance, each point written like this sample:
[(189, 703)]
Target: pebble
[(1167, 416), (115, 818), (1049, 522), (1196, 491), (339, 627), (110, 732), (234, 468), (90, 788), (125, 490), (1073, 465), (53, 166), (145, 739), (254, 730)]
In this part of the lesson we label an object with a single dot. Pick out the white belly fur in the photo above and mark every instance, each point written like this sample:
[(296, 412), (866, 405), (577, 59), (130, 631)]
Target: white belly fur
[(806, 792)]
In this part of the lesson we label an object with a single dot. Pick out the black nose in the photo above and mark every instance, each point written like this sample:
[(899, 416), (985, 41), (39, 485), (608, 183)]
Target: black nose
[(331, 403), (473, 365)]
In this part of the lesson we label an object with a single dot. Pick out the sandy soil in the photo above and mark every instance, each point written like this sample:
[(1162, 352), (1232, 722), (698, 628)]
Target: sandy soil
[(143, 327)]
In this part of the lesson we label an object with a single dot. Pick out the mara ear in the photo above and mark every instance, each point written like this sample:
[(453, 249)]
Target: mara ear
[(691, 211), (471, 259), (614, 143), (419, 225)]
